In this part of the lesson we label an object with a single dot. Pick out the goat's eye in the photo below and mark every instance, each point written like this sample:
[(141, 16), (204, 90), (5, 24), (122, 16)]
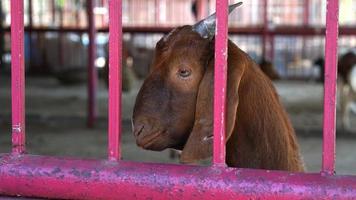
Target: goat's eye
[(184, 73)]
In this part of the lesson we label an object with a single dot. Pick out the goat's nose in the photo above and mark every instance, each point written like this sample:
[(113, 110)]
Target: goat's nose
[(138, 128)]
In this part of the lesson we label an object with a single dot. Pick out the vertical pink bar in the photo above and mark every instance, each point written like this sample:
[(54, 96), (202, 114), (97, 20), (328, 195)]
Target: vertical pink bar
[(157, 4), (265, 29), (220, 78), (115, 48), (201, 9), (306, 12), (17, 76), (332, 14), (92, 73)]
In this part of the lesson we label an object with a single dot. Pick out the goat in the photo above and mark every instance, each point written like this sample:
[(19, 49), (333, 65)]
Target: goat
[(174, 106), (346, 89)]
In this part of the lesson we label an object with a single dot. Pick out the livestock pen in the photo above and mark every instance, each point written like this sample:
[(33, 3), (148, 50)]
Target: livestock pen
[(22, 174)]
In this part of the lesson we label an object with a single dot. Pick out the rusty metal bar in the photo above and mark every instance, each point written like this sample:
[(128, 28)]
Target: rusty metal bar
[(220, 79), (115, 90), (92, 72), (51, 177), (331, 37), (17, 76)]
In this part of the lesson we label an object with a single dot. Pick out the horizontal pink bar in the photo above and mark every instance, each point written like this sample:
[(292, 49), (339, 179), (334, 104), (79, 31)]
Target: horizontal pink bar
[(51, 177), (332, 13), (17, 76), (115, 48), (220, 78), (254, 30)]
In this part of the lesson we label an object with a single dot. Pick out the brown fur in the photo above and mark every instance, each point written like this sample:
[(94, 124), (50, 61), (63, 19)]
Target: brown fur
[(175, 112)]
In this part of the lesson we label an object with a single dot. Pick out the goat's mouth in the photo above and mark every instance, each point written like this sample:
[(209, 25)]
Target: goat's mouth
[(148, 142)]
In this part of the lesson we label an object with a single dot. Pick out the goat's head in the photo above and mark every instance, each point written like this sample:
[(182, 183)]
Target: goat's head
[(165, 111)]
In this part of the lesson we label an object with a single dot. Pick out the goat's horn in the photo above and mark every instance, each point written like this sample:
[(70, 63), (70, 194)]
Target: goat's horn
[(206, 27)]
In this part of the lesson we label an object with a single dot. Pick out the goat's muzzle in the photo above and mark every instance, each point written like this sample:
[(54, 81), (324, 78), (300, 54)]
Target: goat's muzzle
[(148, 136)]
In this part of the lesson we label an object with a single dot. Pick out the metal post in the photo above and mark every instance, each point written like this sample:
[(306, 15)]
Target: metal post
[(53, 11), (305, 24), (92, 73), (157, 2), (17, 76), (331, 37), (61, 38), (115, 49), (220, 79), (201, 9), (265, 29)]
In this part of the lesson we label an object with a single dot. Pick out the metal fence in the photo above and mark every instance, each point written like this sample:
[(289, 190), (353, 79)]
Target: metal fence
[(22, 174)]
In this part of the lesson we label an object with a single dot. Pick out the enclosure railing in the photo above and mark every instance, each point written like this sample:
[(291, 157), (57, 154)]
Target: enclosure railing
[(67, 178)]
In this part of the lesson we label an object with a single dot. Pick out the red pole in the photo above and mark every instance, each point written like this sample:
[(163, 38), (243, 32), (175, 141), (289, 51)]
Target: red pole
[(305, 24), (61, 38), (103, 16), (220, 79), (201, 9), (77, 18), (17, 76), (92, 73), (157, 2), (331, 37), (265, 29), (271, 53), (53, 4), (115, 49)]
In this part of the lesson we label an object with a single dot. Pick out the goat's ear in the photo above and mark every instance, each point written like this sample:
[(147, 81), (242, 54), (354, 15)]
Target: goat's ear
[(200, 142)]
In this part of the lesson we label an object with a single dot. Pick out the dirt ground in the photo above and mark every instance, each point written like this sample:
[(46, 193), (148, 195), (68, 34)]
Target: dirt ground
[(56, 123)]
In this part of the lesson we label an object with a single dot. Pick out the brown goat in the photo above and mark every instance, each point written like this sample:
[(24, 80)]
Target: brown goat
[(175, 104)]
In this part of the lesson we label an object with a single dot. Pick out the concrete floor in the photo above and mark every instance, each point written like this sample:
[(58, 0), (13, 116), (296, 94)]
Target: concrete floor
[(56, 123)]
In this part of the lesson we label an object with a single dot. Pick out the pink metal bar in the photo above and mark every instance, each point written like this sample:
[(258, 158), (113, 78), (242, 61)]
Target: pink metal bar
[(157, 4), (92, 72), (115, 49), (265, 29), (61, 178), (256, 30), (306, 12), (53, 11), (202, 9), (220, 78), (332, 13), (17, 76)]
